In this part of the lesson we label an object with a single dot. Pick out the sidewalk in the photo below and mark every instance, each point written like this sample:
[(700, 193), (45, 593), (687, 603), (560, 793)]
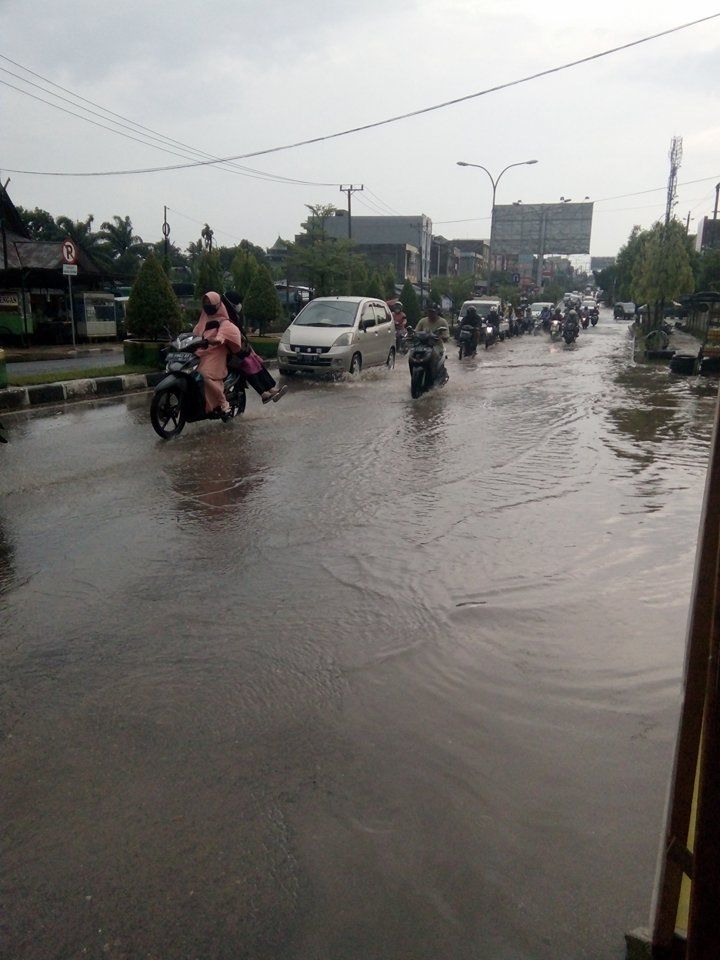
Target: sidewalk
[(63, 352), (65, 391), (16, 398)]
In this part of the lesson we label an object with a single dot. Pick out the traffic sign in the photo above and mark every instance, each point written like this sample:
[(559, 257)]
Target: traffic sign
[(69, 269), (516, 278), (69, 252)]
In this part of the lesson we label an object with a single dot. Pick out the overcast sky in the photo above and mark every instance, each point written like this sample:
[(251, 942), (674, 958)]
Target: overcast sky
[(234, 76)]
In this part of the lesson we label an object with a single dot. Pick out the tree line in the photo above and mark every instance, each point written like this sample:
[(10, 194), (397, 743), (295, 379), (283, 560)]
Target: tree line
[(657, 266)]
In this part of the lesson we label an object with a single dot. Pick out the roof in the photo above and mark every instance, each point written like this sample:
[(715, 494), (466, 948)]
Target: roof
[(10, 217), (25, 254)]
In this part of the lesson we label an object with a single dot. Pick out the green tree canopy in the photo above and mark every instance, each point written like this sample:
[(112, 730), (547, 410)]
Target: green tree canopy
[(152, 308), (662, 270), (709, 271), (388, 282), (209, 274), (243, 269), (411, 304), (40, 224), (321, 260), (261, 305), (121, 246), (374, 287), (81, 232)]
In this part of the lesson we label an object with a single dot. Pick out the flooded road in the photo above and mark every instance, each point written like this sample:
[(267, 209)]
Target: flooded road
[(355, 677)]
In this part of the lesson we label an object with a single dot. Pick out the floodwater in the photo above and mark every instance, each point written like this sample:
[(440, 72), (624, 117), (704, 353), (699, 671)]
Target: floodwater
[(356, 677)]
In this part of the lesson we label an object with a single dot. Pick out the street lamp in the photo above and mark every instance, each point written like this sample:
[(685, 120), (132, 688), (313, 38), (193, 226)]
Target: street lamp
[(494, 181)]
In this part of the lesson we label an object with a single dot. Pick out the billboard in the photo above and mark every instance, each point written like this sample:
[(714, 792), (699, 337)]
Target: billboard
[(541, 228)]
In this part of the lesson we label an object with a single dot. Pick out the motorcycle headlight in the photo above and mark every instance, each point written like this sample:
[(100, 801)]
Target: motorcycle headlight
[(344, 340), (285, 338), (488, 329)]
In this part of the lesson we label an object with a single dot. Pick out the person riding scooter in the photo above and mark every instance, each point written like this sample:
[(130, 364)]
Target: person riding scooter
[(472, 319), (434, 323)]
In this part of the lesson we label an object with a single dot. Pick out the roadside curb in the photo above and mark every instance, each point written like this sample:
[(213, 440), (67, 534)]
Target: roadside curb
[(15, 398), (66, 391)]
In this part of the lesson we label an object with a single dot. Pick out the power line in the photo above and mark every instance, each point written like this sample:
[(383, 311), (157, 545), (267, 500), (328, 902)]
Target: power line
[(147, 138), (386, 121)]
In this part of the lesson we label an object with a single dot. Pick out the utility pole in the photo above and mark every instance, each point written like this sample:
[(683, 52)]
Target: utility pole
[(687, 222), (714, 227), (350, 189)]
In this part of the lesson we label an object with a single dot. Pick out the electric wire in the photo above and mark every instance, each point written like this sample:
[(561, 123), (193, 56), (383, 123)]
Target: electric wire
[(149, 137), (380, 123)]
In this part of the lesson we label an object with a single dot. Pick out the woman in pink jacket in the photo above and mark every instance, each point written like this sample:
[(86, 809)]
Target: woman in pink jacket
[(222, 336)]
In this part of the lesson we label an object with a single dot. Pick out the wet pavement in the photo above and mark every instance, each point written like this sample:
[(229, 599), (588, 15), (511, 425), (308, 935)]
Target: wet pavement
[(354, 677)]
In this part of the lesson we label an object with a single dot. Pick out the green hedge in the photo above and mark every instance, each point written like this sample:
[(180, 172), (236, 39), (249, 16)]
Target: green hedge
[(265, 347), (144, 353)]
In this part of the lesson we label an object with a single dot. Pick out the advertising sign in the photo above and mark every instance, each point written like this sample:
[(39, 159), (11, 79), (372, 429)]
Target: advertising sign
[(542, 228)]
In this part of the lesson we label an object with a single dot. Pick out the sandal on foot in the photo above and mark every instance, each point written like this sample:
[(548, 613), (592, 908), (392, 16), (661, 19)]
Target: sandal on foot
[(280, 392), (266, 398)]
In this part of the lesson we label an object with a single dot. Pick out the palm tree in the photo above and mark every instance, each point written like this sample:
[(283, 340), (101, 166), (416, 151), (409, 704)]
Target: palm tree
[(120, 244), (80, 231)]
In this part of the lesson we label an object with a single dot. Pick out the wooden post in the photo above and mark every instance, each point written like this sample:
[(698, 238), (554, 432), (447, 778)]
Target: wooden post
[(674, 861)]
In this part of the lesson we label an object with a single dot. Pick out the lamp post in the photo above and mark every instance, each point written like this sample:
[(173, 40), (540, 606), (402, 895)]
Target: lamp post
[(494, 181)]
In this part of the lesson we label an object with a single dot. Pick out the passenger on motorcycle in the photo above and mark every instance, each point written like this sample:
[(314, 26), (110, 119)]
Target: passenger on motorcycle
[(221, 335)]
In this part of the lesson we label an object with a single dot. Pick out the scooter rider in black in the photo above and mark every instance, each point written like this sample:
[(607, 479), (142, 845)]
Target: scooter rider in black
[(472, 319)]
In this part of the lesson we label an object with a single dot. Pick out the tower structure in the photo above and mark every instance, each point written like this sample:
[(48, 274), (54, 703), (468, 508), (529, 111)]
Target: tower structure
[(675, 161)]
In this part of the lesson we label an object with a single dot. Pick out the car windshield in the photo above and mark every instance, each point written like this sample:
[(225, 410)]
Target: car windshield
[(540, 306), (327, 313)]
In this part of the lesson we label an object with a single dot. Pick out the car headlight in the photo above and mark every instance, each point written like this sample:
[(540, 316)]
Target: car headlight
[(285, 338), (344, 340)]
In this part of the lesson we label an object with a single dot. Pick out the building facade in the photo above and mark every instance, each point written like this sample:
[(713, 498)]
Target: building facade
[(396, 236)]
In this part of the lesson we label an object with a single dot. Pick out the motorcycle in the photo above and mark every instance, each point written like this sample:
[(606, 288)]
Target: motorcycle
[(490, 335), (556, 328), (594, 317), (402, 339), (179, 398), (585, 321), (466, 341), (427, 367), (570, 331)]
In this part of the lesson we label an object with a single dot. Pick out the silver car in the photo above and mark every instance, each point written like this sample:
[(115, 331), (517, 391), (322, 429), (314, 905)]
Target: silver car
[(338, 335)]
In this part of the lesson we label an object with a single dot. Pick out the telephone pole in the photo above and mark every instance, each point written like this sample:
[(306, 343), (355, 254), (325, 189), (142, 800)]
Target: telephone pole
[(350, 189)]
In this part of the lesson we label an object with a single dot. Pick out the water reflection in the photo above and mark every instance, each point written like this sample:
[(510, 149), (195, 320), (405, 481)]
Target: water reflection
[(7, 570)]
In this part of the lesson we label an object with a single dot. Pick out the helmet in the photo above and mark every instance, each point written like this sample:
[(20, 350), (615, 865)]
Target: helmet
[(432, 307), (397, 306), (471, 312)]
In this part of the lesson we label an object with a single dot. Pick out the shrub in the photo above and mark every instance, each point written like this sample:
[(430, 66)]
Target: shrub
[(152, 308), (411, 304), (261, 305)]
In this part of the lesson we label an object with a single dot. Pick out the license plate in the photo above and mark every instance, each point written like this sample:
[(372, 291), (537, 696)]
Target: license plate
[(305, 359)]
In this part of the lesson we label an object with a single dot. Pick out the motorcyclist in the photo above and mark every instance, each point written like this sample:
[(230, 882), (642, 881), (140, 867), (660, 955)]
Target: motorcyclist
[(472, 319), (572, 320), (545, 315), (434, 322)]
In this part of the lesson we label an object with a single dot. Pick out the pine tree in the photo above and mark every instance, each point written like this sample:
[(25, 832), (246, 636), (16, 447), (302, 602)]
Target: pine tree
[(152, 307), (261, 305), (374, 287), (411, 304), (209, 274), (388, 282), (243, 268)]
